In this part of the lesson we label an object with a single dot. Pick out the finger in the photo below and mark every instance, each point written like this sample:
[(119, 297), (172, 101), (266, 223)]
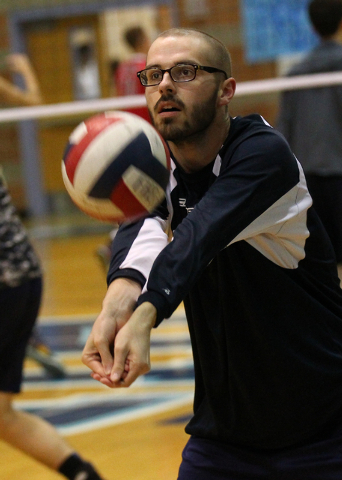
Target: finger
[(104, 380), (97, 356), (95, 365), (125, 372), (119, 365), (106, 356), (132, 371), (89, 355), (91, 358)]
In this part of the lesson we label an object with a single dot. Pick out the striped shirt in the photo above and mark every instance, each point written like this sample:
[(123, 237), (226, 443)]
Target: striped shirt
[(18, 261)]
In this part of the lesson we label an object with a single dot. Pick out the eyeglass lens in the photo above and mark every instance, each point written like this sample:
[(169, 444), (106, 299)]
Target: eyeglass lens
[(178, 73)]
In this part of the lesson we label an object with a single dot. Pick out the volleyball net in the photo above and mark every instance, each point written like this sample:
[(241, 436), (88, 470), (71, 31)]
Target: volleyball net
[(243, 89), (39, 167)]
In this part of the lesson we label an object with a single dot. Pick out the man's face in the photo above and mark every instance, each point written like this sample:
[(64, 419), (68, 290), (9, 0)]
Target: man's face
[(180, 111)]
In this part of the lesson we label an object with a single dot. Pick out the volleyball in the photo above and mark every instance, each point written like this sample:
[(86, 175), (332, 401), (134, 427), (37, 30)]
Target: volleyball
[(116, 167)]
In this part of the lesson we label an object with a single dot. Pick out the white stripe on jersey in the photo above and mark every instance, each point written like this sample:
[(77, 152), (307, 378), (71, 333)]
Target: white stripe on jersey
[(280, 232), (147, 246)]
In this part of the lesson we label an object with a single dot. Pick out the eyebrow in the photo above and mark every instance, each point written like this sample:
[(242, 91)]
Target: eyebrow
[(183, 62)]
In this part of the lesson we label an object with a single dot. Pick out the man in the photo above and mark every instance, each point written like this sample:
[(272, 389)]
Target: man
[(311, 120), (255, 269), (20, 296)]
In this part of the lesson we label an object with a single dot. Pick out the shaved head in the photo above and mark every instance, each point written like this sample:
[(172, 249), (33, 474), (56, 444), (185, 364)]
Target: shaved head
[(217, 54)]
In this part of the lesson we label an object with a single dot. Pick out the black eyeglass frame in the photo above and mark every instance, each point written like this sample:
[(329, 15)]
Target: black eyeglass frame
[(168, 70)]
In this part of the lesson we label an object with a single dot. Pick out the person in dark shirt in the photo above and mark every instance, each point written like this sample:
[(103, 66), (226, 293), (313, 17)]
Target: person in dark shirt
[(311, 120), (255, 269)]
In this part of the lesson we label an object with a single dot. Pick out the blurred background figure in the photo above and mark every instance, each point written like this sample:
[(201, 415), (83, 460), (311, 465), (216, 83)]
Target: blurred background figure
[(13, 95), (113, 66), (29, 95), (125, 76), (311, 120), (20, 298), (87, 79), (127, 82)]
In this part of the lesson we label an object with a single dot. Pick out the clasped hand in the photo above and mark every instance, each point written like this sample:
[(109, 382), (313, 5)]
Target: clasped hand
[(118, 348)]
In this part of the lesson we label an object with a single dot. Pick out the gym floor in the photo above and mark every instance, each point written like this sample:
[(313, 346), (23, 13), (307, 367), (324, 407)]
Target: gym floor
[(136, 433), (129, 434)]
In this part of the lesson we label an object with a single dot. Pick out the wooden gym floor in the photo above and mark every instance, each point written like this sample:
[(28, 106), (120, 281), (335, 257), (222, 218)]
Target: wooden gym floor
[(130, 434)]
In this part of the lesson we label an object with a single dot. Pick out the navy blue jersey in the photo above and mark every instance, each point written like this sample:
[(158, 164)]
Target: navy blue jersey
[(256, 271)]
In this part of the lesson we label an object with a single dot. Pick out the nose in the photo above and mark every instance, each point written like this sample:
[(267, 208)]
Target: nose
[(167, 84)]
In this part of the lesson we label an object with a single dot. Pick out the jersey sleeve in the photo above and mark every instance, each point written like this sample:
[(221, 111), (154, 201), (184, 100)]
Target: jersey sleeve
[(260, 196), (136, 246)]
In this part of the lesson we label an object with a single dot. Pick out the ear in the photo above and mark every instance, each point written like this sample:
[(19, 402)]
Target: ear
[(227, 91)]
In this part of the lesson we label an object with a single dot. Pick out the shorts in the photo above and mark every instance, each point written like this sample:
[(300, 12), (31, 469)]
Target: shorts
[(321, 459), (19, 307)]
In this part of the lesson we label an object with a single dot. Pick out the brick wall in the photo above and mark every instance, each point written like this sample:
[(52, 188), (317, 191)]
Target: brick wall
[(222, 19)]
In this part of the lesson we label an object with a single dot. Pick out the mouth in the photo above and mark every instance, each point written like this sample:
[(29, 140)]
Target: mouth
[(167, 108)]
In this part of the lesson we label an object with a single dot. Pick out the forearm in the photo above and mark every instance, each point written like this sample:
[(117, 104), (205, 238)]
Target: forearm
[(13, 95), (27, 95), (33, 93)]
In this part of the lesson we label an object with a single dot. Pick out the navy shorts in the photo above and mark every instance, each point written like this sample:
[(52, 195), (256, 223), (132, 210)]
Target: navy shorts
[(19, 307), (321, 459)]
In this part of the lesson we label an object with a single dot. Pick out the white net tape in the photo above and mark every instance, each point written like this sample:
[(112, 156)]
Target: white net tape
[(117, 103)]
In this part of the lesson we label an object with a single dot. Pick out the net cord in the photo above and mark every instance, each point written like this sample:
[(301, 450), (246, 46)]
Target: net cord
[(118, 103)]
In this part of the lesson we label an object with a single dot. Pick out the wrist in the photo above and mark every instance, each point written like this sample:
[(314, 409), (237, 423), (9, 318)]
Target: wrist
[(148, 315), (125, 284), (121, 296), (160, 303)]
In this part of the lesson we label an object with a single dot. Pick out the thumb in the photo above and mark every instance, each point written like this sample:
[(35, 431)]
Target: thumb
[(106, 358), (118, 369)]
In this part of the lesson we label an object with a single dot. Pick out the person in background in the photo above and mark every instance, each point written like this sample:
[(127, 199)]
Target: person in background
[(20, 298), (113, 66), (30, 95), (10, 94), (255, 269), (311, 120), (126, 80), (87, 78)]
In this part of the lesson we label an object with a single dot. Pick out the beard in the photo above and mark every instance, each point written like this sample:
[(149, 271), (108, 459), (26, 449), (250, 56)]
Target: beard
[(200, 118)]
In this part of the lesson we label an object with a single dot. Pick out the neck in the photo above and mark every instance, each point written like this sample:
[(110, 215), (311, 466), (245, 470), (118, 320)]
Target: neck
[(196, 152)]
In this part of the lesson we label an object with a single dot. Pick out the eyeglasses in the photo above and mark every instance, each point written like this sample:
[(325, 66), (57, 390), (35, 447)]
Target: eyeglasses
[(179, 73)]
